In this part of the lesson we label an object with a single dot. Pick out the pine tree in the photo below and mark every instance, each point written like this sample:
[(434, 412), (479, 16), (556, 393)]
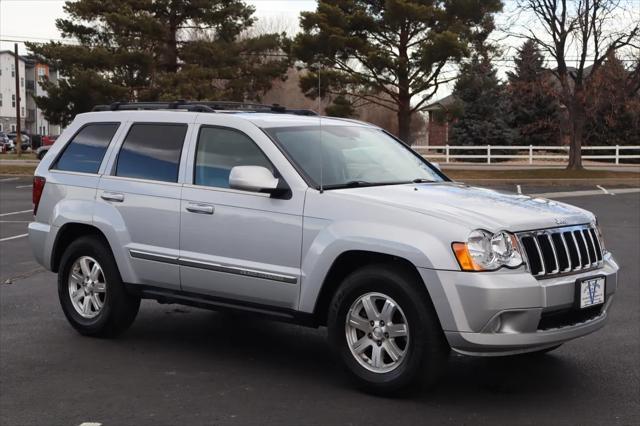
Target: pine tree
[(341, 107), (613, 112), (390, 52), (533, 104), (481, 109), (159, 49)]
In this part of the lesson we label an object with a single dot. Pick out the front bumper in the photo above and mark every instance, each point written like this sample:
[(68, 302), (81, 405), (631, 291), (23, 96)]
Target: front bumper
[(507, 311)]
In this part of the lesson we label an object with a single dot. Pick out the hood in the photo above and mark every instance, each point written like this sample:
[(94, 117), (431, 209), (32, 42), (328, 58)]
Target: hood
[(476, 207)]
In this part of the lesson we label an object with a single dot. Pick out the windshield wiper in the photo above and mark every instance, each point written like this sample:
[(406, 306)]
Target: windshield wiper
[(363, 183), (350, 184), (421, 180)]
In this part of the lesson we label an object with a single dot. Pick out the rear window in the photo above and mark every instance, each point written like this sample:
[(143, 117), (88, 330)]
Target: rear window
[(152, 151), (86, 150)]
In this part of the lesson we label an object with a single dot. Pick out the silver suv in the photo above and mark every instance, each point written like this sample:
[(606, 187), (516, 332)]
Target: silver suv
[(317, 221)]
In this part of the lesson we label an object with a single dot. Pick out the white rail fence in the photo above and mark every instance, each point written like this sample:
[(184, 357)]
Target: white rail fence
[(616, 153)]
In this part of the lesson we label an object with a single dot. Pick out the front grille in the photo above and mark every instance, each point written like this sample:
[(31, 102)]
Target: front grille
[(568, 317), (559, 251)]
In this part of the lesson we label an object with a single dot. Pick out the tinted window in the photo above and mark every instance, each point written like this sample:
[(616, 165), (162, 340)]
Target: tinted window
[(152, 151), (219, 150), (85, 151)]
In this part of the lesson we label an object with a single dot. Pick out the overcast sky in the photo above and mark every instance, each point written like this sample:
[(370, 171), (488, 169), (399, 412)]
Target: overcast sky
[(34, 20)]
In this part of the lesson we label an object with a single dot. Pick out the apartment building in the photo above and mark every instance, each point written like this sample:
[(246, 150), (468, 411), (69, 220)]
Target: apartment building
[(8, 94), (31, 73), (36, 122)]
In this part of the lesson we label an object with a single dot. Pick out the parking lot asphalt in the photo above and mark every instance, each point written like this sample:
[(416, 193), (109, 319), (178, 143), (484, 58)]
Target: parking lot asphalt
[(184, 366)]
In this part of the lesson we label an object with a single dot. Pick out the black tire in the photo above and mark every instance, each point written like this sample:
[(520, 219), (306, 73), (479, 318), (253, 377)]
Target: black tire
[(120, 308), (427, 352)]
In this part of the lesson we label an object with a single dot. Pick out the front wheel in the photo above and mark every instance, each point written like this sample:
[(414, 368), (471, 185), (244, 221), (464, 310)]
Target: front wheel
[(91, 292), (383, 327)]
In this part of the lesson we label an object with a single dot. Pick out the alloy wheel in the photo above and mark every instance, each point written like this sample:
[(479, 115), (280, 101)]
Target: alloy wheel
[(87, 287), (377, 332)]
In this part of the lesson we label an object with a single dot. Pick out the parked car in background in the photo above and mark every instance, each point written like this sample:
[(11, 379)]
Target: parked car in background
[(36, 141), (42, 151), (4, 138), (25, 138), (48, 140), (6, 144)]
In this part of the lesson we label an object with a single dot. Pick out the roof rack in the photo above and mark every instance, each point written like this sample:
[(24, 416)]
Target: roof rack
[(203, 106)]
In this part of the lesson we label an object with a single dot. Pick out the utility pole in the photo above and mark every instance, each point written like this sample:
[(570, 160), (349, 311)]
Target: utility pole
[(17, 74)]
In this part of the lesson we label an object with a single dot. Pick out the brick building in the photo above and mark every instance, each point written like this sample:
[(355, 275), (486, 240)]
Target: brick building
[(439, 121)]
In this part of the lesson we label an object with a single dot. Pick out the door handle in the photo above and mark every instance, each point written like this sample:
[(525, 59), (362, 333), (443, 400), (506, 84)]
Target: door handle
[(200, 208), (112, 196)]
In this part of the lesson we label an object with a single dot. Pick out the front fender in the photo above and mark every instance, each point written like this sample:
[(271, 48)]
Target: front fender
[(325, 241)]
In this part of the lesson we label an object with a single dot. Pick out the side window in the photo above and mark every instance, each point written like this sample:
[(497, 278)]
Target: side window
[(85, 151), (152, 151), (219, 150)]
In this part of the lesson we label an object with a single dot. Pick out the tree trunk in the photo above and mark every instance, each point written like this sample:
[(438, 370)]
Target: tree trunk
[(404, 96), (577, 115), (404, 122), (171, 52)]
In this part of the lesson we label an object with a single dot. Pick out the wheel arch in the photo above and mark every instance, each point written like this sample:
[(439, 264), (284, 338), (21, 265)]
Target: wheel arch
[(350, 261), (67, 234)]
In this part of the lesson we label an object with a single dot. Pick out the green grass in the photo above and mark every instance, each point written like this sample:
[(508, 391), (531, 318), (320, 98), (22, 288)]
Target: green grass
[(17, 169), (14, 156)]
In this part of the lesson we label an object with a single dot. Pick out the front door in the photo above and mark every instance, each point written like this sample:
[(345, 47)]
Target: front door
[(237, 244)]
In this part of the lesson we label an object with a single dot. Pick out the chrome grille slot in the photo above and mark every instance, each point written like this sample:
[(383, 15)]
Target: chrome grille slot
[(548, 253), (535, 262), (574, 255), (590, 246), (582, 248), (559, 251), (596, 243)]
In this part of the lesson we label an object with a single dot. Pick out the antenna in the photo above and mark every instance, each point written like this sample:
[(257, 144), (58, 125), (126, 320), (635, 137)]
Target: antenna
[(319, 68)]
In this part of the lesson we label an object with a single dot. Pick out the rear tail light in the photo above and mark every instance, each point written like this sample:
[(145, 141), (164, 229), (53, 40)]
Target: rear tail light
[(38, 187)]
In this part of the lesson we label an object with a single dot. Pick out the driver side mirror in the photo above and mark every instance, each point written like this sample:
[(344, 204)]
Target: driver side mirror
[(436, 165), (254, 179)]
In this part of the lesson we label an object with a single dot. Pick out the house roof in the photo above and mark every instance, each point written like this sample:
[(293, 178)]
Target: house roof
[(10, 52), (445, 103)]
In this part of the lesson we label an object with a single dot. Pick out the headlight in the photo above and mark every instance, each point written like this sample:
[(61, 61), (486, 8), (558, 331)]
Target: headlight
[(485, 251), (596, 225)]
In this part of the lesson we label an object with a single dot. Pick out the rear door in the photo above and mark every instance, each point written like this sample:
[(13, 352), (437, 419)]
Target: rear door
[(140, 197), (236, 244)]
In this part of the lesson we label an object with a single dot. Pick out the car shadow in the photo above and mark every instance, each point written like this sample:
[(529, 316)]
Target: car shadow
[(212, 340)]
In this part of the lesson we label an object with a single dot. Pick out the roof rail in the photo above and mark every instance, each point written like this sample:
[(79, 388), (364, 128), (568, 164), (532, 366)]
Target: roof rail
[(203, 106), (130, 106)]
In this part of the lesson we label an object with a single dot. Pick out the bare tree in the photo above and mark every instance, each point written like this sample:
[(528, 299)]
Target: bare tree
[(583, 32)]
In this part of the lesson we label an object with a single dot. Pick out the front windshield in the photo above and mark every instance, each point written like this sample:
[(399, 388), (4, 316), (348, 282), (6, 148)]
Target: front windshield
[(351, 156)]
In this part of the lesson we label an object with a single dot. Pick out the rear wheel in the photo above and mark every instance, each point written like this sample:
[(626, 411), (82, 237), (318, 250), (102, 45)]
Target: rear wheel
[(91, 292), (384, 329)]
